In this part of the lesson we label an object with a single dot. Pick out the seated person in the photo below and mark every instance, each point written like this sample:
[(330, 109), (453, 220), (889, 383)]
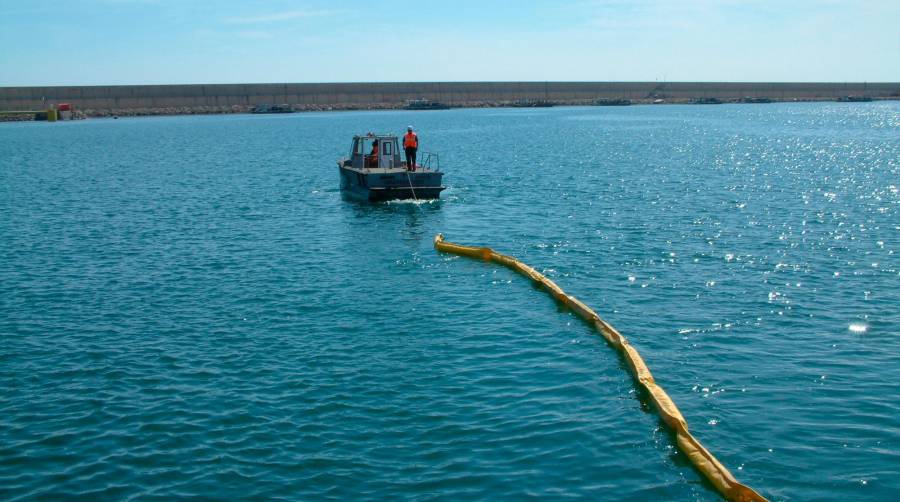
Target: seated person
[(372, 159)]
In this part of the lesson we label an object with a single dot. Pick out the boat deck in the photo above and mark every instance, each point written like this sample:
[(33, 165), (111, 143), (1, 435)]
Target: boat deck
[(389, 170)]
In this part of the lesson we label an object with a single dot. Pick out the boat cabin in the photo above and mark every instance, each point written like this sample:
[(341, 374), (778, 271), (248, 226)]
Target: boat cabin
[(387, 157)]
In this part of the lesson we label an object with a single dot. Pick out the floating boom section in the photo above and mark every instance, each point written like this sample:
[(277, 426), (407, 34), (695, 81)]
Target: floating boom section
[(700, 457)]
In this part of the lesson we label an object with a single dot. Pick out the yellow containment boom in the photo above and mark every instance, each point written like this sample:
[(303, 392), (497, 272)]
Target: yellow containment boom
[(702, 459)]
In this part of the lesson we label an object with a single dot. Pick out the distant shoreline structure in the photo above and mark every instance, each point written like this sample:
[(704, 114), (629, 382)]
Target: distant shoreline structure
[(134, 100)]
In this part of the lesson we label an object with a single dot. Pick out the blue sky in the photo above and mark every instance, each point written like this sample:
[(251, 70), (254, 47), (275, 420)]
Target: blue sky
[(95, 42)]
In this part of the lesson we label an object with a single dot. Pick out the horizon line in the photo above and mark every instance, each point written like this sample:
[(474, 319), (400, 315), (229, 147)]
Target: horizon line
[(658, 82)]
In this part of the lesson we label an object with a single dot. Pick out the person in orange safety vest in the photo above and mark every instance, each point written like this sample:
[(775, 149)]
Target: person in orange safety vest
[(373, 156), (410, 146)]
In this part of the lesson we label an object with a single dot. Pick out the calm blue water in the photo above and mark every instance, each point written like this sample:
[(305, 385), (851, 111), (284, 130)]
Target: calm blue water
[(189, 308)]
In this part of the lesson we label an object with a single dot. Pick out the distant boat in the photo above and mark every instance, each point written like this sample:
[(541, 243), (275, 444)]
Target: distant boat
[(425, 104), (272, 109), (612, 102), (749, 99), (532, 103), (854, 99), (706, 101)]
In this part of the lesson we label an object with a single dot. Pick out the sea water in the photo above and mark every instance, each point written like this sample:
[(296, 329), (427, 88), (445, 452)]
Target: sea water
[(188, 307)]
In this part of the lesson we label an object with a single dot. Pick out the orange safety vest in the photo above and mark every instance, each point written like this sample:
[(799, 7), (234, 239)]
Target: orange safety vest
[(410, 140)]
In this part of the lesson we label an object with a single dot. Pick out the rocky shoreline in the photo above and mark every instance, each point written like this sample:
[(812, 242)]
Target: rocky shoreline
[(247, 109)]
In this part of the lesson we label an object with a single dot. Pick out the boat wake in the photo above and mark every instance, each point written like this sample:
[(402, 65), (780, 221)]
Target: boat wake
[(418, 202)]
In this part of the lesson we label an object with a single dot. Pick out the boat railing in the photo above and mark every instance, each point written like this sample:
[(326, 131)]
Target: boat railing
[(431, 161)]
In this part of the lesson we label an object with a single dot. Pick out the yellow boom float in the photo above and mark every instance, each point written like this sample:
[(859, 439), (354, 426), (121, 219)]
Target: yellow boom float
[(700, 457)]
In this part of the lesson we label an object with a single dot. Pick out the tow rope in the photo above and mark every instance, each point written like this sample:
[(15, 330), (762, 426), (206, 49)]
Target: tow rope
[(724, 482), (411, 186)]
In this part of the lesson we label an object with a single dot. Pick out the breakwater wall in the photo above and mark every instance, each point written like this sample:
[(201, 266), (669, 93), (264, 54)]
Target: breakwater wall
[(393, 94)]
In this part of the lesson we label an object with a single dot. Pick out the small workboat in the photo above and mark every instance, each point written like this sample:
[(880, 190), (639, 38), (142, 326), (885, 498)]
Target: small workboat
[(425, 104), (272, 109), (532, 103), (612, 102), (854, 99), (706, 101), (384, 176)]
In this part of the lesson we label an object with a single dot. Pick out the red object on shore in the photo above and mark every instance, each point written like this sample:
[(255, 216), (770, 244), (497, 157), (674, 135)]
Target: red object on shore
[(64, 107)]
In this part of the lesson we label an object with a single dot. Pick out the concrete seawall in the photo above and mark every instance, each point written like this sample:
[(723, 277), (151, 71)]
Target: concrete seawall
[(393, 94)]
